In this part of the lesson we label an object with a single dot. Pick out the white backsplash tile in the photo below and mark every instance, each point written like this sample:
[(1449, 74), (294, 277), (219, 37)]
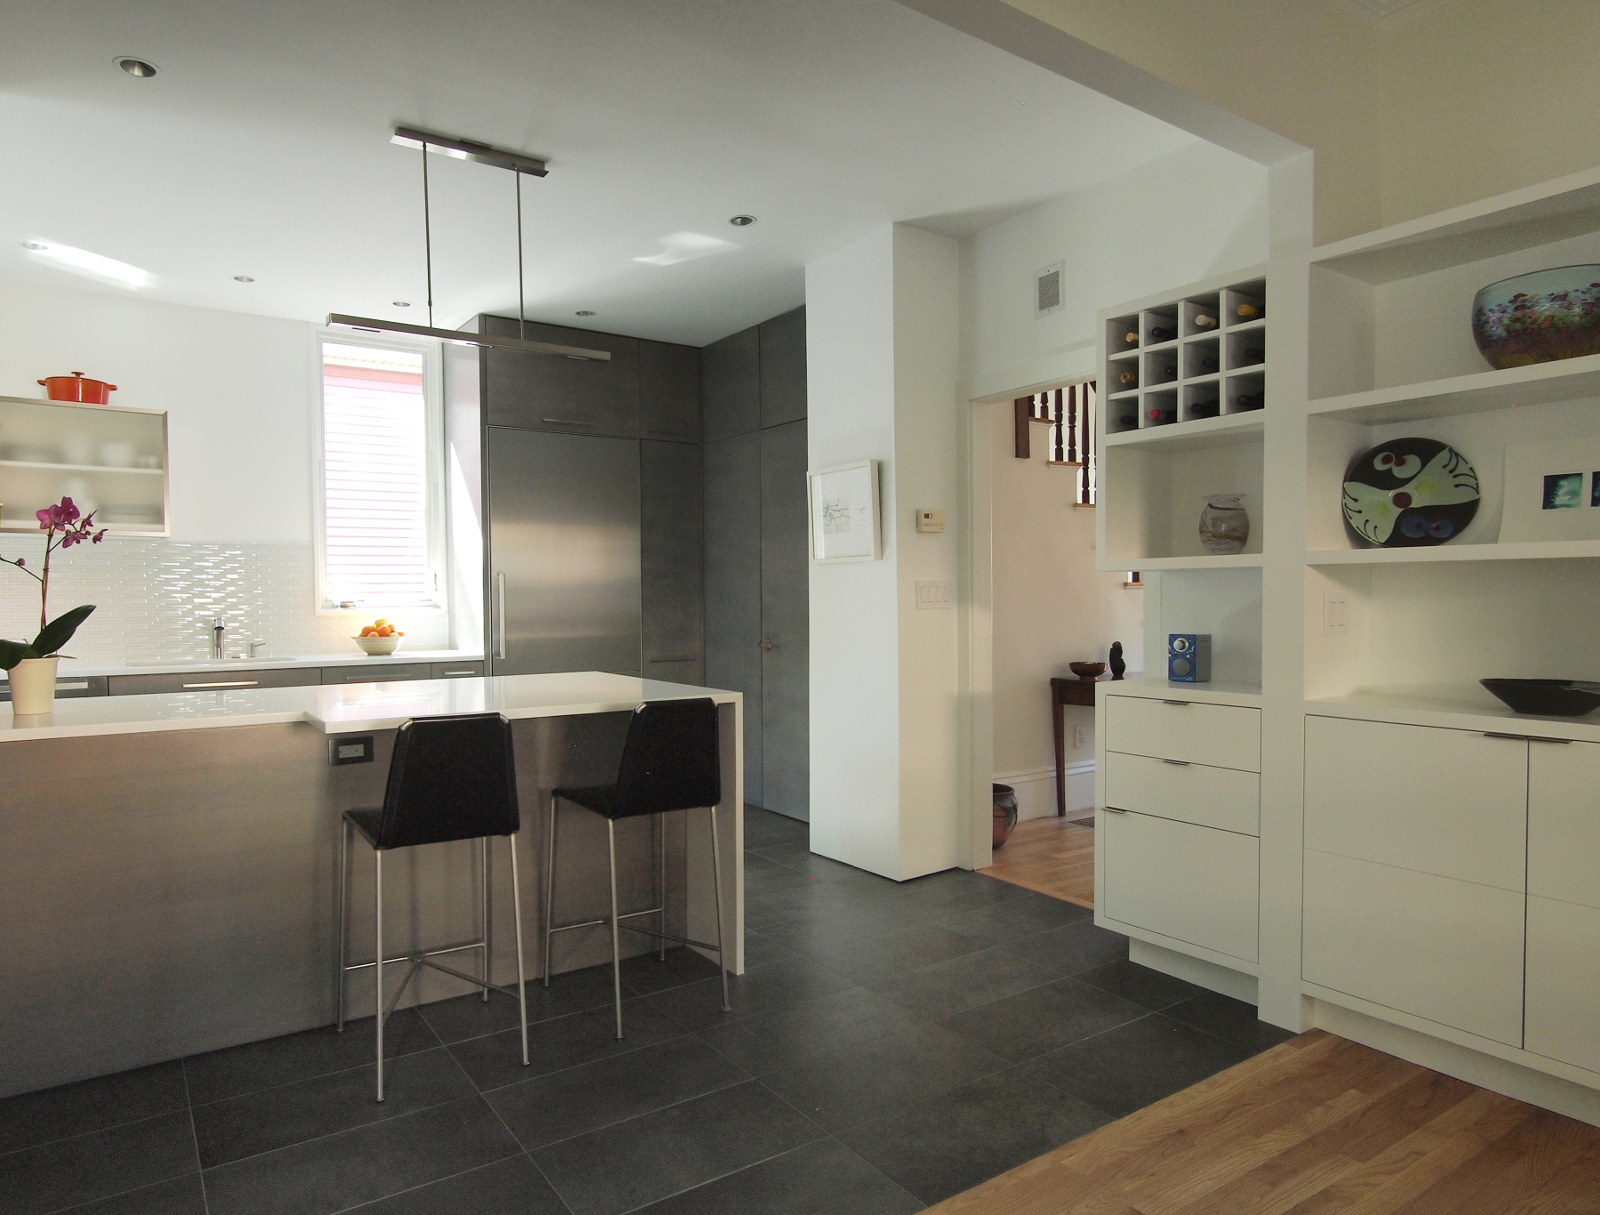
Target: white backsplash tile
[(156, 600)]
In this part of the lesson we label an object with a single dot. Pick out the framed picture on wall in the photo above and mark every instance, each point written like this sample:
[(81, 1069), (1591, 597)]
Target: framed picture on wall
[(845, 524)]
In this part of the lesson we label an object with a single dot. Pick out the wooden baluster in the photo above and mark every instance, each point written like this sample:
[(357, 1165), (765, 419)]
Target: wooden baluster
[(1072, 424), (1021, 412), (1086, 480)]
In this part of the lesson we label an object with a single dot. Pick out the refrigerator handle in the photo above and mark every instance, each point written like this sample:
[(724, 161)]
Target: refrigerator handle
[(500, 613)]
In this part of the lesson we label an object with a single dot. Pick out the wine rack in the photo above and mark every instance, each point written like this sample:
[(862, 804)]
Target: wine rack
[(1199, 356)]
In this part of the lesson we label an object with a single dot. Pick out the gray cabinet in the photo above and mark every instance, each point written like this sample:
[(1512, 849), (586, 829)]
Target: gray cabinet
[(785, 622), (669, 392), (733, 585), (548, 392), (730, 395), (385, 672), (68, 687), (670, 538), (213, 680), (757, 573), (783, 368)]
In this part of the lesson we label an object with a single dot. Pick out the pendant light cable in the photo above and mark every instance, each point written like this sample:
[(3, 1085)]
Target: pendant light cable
[(427, 233), (522, 310)]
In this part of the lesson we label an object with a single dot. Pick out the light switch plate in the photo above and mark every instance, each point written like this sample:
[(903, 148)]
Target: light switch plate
[(929, 520), (1335, 614), (933, 595)]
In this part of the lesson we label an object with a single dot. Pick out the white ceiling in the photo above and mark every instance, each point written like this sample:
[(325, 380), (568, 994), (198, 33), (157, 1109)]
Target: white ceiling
[(262, 148)]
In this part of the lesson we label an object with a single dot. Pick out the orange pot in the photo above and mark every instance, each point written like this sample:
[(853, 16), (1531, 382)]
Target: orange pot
[(75, 388)]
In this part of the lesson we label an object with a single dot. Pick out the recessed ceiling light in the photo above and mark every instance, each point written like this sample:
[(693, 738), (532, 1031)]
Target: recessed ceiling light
[(243, 278), (742, 221), (142, 68), (584, 312), (402, 304)]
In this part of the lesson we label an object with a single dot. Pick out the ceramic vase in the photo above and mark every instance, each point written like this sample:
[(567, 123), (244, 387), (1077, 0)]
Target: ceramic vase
[(33, 686), (1224, 525), (1005, 814)]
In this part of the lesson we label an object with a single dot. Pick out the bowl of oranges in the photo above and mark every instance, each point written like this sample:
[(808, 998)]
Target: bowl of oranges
[(379, 637)]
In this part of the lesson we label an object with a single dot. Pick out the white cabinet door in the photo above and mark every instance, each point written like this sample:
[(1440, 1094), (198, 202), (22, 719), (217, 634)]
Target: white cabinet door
[(1447, 802), (1225, 798), (1564, 821), (1564, 982), (1221, 735), (1445, 950), (1193, 884)]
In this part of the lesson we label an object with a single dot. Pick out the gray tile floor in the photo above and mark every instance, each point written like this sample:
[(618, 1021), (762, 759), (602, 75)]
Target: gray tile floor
[(890, 1045)]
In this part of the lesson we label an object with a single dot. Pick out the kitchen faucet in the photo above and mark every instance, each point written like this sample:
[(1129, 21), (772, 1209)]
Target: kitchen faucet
[(219, 630)]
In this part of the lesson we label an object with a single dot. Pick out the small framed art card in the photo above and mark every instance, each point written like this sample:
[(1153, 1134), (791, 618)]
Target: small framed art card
[(1552, 491), (845, 524)]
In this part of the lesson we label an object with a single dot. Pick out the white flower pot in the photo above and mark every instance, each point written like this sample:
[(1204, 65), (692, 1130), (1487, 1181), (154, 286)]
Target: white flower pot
[(33, 686)]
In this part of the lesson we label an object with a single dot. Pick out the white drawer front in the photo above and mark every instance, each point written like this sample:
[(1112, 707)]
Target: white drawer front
[(1225, 798), (1219, 735), (1448, 802), (1440, 949), (1564, 822), (1564, 982), (1190, 883)]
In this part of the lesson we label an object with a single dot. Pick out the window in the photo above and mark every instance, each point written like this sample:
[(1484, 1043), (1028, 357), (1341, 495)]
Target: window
[(381, 533)]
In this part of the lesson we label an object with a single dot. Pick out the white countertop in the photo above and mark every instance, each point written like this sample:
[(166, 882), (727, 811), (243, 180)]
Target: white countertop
[(71, 668), (352, 707)]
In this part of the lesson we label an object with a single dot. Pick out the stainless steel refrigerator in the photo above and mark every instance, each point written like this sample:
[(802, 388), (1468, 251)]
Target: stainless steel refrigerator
[(564, 571)]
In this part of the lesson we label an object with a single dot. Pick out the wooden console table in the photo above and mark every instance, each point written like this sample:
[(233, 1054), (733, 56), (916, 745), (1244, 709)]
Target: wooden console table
[(1063, 692)]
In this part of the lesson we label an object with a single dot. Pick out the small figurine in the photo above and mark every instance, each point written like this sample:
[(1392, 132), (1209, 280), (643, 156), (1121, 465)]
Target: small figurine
[(1117, 665)]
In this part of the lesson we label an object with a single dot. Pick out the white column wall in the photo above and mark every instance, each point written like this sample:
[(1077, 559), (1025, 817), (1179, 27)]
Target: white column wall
[(882, 322)]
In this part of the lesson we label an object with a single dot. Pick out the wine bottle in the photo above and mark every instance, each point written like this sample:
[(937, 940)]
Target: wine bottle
[(1250, 400), (1131, 337), (1253, 354), (1169, 372), (1161, 333), (1204, 320), (1208, 363), (1127, 421), (1130, 378), (1159, 416), (1205, 409), (1248, 312)]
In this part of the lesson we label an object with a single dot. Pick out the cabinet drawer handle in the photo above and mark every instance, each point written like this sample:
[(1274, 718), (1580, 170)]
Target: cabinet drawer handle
[(581, 425), (1181, 704), (1524, 738), (1113, 810), (1177, 763), (468, 671), (1562, 741), (226, 683), (72, 685), (675, 658)]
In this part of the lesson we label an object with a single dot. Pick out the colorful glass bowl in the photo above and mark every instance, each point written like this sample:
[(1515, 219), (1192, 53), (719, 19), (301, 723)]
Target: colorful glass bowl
[(1538, 317)]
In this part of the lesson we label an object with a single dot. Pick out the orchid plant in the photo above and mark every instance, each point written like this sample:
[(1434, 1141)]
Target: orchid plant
[(63, 526)]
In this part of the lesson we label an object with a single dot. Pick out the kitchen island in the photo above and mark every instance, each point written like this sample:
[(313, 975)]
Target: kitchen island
[(170, 871)]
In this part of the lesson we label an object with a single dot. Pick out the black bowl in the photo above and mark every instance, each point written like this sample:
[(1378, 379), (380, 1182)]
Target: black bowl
[(1548, 697)]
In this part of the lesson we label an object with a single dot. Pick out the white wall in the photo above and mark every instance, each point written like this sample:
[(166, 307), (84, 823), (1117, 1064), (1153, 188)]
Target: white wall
[(1051, 607), (1194, 214), (236, 388), (881, 349)]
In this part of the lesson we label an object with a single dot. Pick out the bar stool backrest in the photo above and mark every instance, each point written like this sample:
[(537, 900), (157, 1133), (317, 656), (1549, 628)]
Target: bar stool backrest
[(671, 760), (450, 778)]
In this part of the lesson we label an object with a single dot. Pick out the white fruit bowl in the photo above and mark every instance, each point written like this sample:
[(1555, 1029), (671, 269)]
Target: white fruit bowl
[(374, 646)]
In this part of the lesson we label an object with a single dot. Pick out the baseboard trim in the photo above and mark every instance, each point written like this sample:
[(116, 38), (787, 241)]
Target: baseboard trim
[(1036, 789)]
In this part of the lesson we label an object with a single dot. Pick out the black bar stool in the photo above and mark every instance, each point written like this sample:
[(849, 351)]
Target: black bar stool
[(671, 760), (450, 778)]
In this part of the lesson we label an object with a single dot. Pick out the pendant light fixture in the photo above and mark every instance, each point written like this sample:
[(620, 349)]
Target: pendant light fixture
[(518, 164)]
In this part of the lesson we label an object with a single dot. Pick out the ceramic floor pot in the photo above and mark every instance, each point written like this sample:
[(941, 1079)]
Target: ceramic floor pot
[(33, 686), (1005, 814)]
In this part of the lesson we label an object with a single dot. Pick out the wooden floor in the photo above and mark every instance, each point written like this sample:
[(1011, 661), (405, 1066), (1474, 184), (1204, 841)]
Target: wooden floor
[(1051, 855), (1316, 1126)]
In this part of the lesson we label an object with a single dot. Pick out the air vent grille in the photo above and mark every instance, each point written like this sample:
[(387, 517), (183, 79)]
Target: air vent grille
[(1047, 289)]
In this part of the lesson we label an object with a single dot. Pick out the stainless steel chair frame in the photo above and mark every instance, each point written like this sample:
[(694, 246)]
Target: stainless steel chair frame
[(421, 958), (617, 921)]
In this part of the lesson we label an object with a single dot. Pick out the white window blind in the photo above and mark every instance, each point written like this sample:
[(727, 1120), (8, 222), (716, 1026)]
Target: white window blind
[(375, 476)]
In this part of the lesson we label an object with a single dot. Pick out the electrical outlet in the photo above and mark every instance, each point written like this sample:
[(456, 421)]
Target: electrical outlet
[(1080, 736), (1335, 614)]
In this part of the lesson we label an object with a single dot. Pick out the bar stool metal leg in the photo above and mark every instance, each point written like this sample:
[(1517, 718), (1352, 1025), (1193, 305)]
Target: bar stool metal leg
[(616, 948), (522, 979), (716, 886), (550, 886), (377, 965), (483, 876), (661, 887), (344, 932)]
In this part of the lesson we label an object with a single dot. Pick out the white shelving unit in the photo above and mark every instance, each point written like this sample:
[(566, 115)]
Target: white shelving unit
[(108, 458)]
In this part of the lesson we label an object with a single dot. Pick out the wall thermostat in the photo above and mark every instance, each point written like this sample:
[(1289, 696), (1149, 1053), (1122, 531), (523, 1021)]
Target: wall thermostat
[(930, 520), (1189, 657)]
